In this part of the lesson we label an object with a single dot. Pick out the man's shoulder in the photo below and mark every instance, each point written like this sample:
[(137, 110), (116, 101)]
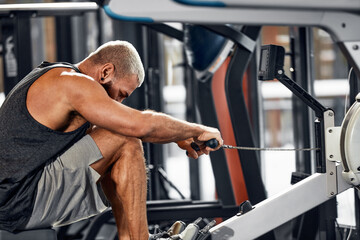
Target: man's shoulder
[(74, 81), (63, 77), (62, 84)]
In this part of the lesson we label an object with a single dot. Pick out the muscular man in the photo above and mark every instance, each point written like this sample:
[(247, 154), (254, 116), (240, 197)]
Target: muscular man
[(68, 147)]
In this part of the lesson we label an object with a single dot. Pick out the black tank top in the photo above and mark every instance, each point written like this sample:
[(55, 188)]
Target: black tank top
[(25, 147)]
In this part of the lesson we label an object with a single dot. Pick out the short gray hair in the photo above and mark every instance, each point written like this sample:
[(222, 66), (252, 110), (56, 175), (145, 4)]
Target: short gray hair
[(124, 57)]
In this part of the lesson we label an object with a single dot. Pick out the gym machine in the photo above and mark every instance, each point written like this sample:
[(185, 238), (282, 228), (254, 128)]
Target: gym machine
[(336, 144), (312, 191)]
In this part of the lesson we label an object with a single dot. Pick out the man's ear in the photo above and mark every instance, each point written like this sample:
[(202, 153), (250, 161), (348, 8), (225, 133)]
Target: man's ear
[(107, 72)]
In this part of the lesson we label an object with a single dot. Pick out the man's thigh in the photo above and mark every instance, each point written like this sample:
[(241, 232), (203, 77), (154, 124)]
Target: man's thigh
[(68, 190)]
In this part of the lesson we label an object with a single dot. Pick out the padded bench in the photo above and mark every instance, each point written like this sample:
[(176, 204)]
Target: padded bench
[(38, 234)]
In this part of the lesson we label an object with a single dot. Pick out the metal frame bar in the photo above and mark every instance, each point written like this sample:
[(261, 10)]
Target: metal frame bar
[(218, 159), (240, 117), (348, 5), (301, 60), (49, 9)]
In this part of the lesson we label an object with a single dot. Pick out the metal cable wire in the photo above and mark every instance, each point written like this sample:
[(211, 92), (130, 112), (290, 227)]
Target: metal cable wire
[(269, 149)]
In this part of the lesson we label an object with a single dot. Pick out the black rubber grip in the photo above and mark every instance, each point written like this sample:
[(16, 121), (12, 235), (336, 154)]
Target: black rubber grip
[(212, 143), (195, 146)]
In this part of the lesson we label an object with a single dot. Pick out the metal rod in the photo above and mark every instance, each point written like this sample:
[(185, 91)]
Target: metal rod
[(318, 108), (49, 8)]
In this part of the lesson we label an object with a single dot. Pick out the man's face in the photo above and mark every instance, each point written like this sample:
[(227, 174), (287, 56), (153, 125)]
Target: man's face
[(121, 88)]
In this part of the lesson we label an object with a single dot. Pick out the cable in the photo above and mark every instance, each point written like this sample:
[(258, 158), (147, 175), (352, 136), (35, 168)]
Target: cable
[(339, 229), (164, 176), (347, 95), (269, 149), (348, 237)]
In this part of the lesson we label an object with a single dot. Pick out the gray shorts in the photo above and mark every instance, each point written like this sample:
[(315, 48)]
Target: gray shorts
[(67, 191)]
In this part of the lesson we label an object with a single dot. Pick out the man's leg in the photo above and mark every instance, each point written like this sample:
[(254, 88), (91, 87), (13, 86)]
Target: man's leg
[(124, 181)]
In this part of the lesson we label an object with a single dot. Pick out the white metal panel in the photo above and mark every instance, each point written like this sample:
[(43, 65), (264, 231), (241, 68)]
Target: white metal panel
[(278, 209), (331, 174), (332, 142)]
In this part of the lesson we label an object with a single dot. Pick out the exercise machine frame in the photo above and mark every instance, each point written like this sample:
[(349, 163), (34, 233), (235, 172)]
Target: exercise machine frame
[(317, 189), (340, 23)]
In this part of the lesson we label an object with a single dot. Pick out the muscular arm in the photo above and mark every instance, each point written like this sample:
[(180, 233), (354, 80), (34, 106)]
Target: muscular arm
[(93, 103), (176, 130)]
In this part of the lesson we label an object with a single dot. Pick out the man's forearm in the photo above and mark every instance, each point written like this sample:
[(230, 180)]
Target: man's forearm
[(162, 128)]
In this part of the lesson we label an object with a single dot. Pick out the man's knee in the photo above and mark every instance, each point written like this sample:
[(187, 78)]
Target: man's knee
[(114, 147), (132, 146)]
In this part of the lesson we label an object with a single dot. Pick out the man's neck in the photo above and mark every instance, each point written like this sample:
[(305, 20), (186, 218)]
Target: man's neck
[(87, 68)]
